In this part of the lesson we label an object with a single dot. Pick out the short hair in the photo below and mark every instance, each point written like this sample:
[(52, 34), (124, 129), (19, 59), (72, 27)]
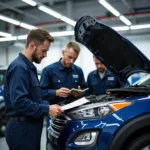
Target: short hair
[(38, 36), (74, 45)]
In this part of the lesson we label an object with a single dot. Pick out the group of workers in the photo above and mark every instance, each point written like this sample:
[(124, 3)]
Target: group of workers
[(25, 94)]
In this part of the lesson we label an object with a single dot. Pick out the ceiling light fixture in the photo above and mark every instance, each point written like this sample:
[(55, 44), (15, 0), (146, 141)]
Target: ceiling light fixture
[(62, 33), (69, 33), (67, 20), (16, 22), (13, 38), (115, 12), (109, 7), (12, 21), (57, 15), (121, 28), (30, 2), (27, 26), (125, 20), (5, 34), (50, 11), (144, 26)]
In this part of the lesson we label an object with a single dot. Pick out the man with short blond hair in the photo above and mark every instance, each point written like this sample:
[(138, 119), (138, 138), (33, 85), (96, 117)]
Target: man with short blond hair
[(58, 78)]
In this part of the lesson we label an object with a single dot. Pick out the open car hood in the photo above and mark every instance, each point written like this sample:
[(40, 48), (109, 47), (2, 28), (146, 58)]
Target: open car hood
[(117, 53)]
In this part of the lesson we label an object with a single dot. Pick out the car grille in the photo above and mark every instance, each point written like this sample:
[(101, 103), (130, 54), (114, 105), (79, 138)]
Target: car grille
[(57, 125)]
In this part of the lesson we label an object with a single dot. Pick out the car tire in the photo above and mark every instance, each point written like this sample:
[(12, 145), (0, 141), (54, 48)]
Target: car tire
[(2, 124), (141, 142)]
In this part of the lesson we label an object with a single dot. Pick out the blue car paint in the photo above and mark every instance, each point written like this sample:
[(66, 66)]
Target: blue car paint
[(107, 126), (110, 126)]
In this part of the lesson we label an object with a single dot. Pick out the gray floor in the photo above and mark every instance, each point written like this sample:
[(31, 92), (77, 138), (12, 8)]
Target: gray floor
[(3, 145)]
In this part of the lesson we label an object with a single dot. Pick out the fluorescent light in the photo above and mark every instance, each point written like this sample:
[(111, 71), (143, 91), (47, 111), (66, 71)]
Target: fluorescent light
[(22, 37), (62, 33), (27, 26), (30, 2), (69, 33), (109, 7), (18, 44), (144, 26), (68, 20), (50, 11), (13, 38), (5, 34), (16, 22), (121, 28), (13, 21), (57, 15), (125, 20)]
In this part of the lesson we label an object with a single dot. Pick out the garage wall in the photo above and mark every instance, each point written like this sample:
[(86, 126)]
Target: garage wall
[(85, 60)]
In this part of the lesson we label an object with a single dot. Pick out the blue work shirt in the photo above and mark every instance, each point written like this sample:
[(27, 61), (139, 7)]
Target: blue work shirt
[(99, 86), (22, 90), (56, 76)]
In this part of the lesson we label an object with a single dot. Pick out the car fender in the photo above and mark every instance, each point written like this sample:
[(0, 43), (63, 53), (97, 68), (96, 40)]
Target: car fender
[(127, 130)]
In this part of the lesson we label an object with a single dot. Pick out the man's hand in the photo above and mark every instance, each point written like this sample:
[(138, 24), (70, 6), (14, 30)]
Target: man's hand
[(55, 110), (77, 94), (63, 92)]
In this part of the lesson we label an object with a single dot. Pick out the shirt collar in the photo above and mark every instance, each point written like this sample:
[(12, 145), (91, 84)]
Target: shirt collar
[(61, 67), (30, 64), (107, 73)]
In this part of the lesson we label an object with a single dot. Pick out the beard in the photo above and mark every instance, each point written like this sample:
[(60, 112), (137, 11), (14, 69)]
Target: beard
[(66, 65), (101, 70), (35, 58)]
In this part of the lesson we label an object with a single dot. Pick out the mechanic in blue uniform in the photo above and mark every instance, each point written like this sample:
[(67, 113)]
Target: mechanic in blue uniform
[(58, 78), (24, 106), (101, 79)]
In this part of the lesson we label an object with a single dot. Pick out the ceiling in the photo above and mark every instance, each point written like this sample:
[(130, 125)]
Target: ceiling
[(137, 11)]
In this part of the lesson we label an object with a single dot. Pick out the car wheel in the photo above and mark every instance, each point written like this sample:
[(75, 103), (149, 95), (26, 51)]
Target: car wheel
[(2, 124), (140, 143)]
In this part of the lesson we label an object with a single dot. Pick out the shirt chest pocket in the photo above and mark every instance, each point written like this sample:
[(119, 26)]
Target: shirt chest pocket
[(94, 82), (111, 83), (58, 80), (35, 90), (75, 80), (57, 83)]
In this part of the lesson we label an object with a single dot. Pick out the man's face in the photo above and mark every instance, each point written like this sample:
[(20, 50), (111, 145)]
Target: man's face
[(100, 67), (69, 57), (40, 52)]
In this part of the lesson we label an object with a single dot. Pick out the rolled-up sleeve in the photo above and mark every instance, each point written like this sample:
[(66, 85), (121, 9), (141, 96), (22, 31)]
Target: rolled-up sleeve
[(20, 94)]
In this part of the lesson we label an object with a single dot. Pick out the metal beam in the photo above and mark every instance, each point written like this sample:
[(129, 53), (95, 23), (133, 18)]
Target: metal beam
[(19, 11)]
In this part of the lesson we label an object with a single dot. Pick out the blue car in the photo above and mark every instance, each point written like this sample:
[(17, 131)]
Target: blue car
[(2, 103), (119, 121)]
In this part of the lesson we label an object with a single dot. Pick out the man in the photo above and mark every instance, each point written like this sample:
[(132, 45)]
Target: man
[(101, 79), (24, 106), (58, 78)]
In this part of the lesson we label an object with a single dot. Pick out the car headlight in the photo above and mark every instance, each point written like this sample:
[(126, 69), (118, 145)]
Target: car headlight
[(97, 110)]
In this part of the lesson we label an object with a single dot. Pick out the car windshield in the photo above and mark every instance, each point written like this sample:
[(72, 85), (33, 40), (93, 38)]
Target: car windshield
[(143, 81)]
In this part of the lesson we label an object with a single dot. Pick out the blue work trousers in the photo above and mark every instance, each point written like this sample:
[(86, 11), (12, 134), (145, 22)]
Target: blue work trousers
[(24, 135)]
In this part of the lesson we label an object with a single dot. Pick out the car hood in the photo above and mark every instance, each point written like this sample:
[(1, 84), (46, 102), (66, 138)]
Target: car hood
[(117, 53)]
